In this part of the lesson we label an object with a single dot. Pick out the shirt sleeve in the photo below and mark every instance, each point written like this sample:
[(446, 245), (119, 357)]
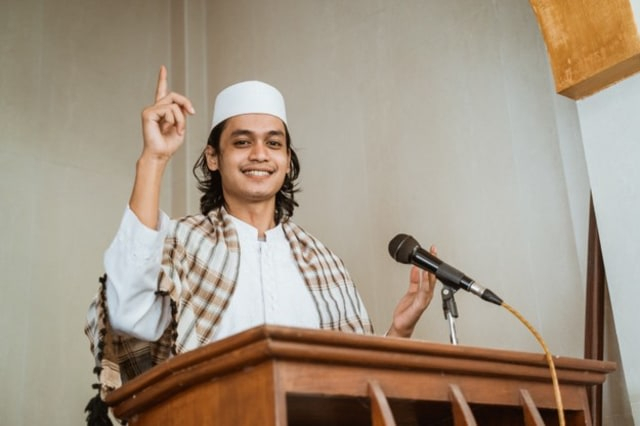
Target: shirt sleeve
[(132, 263)]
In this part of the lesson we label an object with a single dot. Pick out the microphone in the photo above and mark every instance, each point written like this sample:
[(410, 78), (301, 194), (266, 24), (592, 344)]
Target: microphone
[(405, 249)]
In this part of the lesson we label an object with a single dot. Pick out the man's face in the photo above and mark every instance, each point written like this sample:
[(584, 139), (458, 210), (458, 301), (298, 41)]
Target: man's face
[(253, 159)]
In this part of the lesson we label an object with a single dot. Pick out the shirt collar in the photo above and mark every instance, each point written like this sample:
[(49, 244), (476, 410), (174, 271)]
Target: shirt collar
[(247, 232)]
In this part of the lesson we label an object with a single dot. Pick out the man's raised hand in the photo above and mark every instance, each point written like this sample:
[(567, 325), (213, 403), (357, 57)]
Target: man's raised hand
[(163, 127), (164, 122)]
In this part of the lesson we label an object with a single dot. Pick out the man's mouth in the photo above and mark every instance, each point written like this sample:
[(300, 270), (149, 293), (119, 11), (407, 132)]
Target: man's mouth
[(257, 172)]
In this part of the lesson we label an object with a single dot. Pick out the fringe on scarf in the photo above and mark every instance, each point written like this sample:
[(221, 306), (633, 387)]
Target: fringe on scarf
[(96, 409)]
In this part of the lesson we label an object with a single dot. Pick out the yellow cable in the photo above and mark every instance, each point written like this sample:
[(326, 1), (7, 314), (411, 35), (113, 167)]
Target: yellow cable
[(552, 367)]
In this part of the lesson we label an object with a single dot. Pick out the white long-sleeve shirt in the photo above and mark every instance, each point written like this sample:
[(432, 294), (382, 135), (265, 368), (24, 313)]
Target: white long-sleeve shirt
[(269, 290)]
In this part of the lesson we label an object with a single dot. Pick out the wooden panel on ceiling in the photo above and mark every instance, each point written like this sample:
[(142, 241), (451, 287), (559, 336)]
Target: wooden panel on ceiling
[(592, 44)]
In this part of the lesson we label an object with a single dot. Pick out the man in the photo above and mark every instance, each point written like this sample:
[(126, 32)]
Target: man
[(240, 263)]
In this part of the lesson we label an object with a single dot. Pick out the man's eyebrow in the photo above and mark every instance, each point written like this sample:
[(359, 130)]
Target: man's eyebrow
[(241, 132), (245, 132)]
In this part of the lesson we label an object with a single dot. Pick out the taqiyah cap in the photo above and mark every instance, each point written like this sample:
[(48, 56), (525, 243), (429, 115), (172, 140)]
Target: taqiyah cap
[(248, 97)]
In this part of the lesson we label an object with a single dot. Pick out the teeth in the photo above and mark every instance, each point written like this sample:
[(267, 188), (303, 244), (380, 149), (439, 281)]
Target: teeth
[(257, 173)]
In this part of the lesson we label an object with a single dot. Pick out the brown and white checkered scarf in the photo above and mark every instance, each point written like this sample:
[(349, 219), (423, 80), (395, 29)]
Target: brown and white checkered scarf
[(200, 264)]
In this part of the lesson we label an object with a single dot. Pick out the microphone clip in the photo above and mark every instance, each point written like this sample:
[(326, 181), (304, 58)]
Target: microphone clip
[(450, 310)]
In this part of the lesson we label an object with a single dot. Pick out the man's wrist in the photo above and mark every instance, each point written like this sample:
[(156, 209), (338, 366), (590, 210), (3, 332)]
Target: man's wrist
[(394, 332), (152, 161)]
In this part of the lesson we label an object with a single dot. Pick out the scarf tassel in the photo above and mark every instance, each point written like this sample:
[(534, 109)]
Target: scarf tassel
[(97, 410)]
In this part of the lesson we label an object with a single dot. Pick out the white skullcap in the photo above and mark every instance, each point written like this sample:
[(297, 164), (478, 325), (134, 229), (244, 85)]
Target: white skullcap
[(248, 97)]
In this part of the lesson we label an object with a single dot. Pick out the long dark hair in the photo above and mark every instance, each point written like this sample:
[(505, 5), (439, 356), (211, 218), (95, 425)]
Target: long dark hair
[(210, 182)]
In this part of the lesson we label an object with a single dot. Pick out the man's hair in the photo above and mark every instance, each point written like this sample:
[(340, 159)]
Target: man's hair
[(210, 182)]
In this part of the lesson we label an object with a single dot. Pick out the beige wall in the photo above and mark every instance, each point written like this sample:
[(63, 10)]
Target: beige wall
[(434, 118), (610, 128), (73, 77)]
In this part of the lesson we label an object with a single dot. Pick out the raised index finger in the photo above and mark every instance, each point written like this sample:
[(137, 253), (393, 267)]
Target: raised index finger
[(161, 88)]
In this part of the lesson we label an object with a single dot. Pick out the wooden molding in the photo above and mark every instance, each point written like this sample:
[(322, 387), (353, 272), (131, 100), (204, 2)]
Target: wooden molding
[(592, 44)]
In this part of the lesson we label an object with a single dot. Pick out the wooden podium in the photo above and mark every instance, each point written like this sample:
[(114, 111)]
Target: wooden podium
[(286, 376)]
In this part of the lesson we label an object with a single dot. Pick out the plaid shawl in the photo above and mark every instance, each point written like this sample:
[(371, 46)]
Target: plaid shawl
[(200, 264)]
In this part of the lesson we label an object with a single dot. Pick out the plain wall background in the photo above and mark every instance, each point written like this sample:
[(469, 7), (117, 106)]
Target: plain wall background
[(74, 77), (437, 119), (610, 128)]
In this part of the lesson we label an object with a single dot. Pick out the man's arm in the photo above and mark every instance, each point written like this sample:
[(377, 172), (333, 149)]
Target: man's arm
[(132, 262), (163, 128)]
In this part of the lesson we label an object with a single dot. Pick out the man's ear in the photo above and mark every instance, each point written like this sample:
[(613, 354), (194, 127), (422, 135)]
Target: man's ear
[(211, 157)]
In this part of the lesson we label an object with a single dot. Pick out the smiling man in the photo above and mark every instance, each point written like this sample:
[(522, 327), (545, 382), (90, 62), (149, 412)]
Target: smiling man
[(174, 285)]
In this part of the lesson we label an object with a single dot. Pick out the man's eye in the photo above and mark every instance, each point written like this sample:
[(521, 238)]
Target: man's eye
[(275, 144), (241, 142)]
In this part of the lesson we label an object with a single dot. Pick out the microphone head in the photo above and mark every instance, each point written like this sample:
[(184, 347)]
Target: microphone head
[(402, 247)]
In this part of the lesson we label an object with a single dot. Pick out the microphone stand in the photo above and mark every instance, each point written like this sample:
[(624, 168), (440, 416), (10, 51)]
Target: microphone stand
[(450, 310)]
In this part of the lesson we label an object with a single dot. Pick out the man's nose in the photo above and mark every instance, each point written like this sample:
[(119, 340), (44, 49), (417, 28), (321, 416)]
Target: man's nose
[(258, 151)]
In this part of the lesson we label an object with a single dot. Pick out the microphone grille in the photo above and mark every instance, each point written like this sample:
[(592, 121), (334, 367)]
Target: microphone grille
[(401, 247)]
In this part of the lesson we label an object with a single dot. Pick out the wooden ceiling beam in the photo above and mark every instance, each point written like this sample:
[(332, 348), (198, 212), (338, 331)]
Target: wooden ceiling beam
[(592, 44)]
